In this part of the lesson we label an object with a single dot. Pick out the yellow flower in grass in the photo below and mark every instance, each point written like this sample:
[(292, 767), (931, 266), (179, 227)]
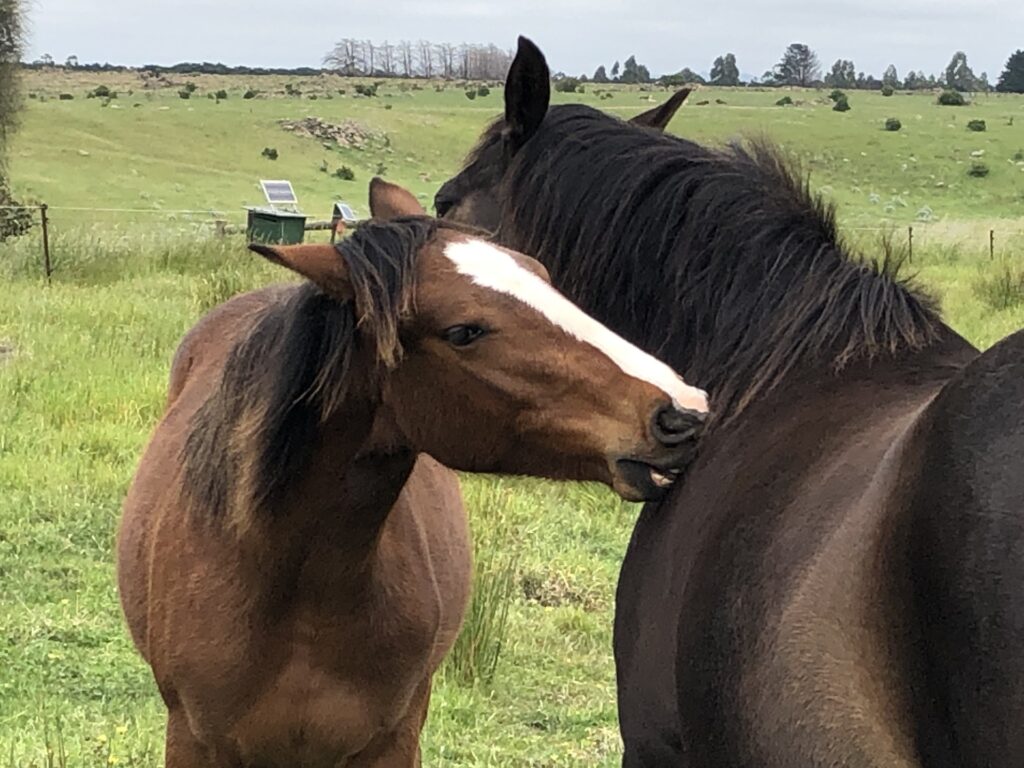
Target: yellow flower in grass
[(101, 738), (113, 760), (121, 730)]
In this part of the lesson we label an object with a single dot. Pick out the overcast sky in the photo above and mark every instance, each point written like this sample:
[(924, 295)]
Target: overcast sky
[(576, 35)]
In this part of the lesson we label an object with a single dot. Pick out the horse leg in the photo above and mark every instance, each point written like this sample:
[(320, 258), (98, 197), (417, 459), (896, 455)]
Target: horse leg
[(400, 748), (183, 750)]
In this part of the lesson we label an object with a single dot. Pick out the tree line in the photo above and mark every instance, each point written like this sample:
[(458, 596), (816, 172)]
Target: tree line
[(800, 66), (365, 58)]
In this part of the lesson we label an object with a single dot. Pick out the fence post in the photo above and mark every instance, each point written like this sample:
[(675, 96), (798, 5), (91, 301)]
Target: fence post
[(46, 240), (992, 244), (910, 243)]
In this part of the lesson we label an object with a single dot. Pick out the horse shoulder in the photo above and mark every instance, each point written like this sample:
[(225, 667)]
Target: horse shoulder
[(966, 504)]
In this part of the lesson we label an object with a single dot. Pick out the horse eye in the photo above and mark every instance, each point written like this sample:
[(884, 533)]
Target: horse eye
[(463, 335)]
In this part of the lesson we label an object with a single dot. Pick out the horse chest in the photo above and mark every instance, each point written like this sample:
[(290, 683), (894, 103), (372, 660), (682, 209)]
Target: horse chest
[(312, 671)]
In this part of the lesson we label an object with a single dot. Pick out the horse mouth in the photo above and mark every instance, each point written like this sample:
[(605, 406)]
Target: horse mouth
[(640, 481)]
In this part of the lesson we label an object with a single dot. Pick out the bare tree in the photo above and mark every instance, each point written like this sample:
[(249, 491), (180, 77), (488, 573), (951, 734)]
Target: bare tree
[(387, 51), (405, 54), (426, 59), (369, 66), (343, 59)]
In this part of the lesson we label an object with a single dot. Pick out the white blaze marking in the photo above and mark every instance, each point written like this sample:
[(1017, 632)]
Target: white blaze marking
[(493, 268)]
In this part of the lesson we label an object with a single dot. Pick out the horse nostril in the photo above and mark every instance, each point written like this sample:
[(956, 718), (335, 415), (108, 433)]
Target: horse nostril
[(673, 426), (442, 206)]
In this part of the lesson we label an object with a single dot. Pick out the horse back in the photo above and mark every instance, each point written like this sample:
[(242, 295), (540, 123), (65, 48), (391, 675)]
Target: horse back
[(967, 515), (195, 371)]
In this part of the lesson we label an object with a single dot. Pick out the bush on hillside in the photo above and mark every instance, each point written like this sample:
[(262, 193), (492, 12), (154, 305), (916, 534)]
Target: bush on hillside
[(952, 99)]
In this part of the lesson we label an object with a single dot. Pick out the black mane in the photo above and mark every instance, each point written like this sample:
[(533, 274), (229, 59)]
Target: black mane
[(295, 369), (721, 262)]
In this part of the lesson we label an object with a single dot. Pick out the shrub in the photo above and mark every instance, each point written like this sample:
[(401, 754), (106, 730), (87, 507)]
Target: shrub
[(567, 85), (270, 153), (1018, 155), (345, 173), (1002, 287), (470, 95), (221, 94), (184, 93), (14, 221), (978, 126), (836, 95), (888, 90), (388, 106), (952, 99), (841, 105), (191, 87), (66, 97), (99, 92), (367, 90), (785, 101), (250, 94), (978, 170), (893, 124), (483, 91)]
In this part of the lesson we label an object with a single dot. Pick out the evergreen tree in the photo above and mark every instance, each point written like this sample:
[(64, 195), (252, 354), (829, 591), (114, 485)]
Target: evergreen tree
[(1012, 78)]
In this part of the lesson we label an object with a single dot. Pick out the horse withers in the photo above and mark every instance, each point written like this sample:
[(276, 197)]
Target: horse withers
[(839, 580), (293, 559)]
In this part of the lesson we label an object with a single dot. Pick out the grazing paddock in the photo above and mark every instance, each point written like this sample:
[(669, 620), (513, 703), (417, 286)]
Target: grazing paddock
[(84, 363)]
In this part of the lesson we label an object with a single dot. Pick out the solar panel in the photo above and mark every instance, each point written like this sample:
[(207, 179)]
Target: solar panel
[(344, 212), (279, 192)]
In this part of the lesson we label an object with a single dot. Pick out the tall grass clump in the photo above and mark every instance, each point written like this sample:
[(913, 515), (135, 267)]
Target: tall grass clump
[(473, 660), (1001, 286)]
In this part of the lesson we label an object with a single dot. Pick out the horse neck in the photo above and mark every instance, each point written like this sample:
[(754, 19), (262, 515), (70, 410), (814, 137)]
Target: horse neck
[(340, 502)]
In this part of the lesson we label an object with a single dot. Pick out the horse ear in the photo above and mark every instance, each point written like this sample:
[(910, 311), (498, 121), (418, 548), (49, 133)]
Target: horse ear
[(319, 263), (390, 201), (659, 117), (527, 94)]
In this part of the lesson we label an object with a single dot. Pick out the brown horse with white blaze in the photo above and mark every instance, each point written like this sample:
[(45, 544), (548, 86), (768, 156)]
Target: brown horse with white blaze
[(292, 564)]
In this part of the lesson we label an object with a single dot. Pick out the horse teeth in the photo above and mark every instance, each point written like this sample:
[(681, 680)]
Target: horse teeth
[(661, 480)]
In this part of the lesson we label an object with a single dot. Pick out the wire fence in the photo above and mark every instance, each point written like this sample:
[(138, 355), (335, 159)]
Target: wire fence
[(210, 222), (206, 222)]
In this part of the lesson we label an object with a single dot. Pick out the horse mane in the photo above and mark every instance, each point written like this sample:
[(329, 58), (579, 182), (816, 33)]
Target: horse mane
[(295, 369), (721, 262)]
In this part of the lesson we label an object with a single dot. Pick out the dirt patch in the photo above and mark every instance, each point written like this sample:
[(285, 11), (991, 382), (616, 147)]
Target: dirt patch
[(348, 135), (555, 589)]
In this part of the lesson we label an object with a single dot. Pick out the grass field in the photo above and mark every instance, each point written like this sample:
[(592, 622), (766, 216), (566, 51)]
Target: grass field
[(83, 367)]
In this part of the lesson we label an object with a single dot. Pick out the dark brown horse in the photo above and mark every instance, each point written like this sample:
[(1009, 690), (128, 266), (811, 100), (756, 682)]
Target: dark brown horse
[(291, 564), (840, 580)]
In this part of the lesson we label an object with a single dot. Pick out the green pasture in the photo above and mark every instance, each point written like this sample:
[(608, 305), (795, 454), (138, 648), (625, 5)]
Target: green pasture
[(84, 363)]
